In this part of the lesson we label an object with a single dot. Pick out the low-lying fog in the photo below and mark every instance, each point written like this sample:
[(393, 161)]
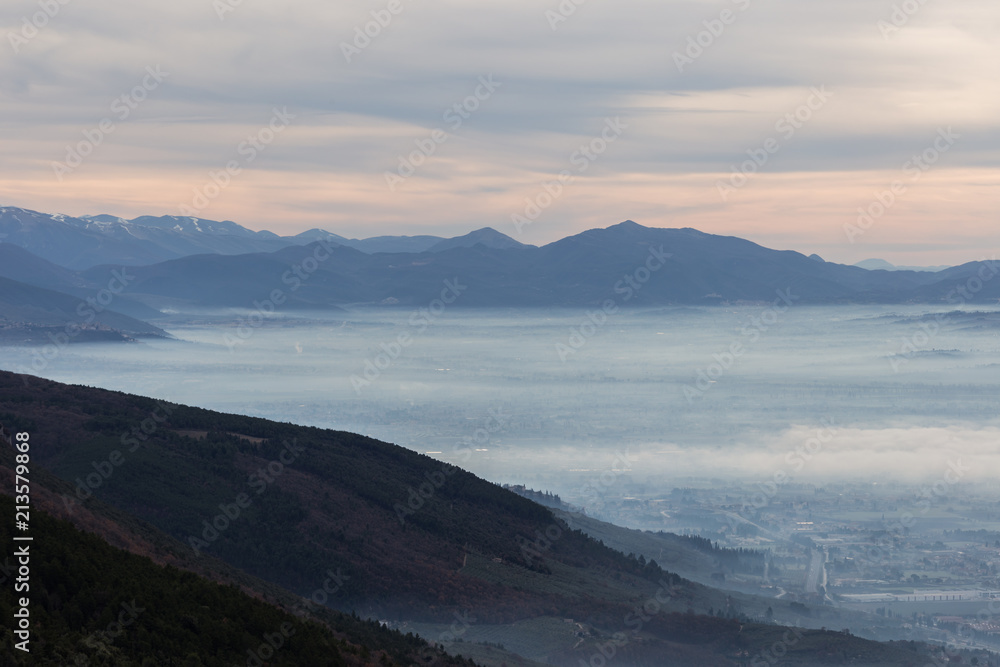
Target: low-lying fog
[(543, 397)]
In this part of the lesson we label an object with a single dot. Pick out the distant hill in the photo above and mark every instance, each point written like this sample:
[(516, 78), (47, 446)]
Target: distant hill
[(416, 244), (92, 240), (487, 236), (80, 243), (30, 314), (881, 264), (692, 557), (19, 265), (57, 239), (627, 264), (241, 280), (181, 261), (396, 244), (412, 541), (81, 587)]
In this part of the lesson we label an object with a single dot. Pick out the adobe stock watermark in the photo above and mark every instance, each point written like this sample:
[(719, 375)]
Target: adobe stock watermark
[(87, 310), (581, 159), (668, 590), (967, 631), (430, 654), (929, 495), (295, 277), (778, 650), (895, 529), (273, 642), (418, 323), (416, 498), (332, 585), (104, 470), (915, 168), (700, 42), (593, 492), (900, 16), (223, 7), (752, 330), (593, 495), (121, 108), (248, 150), (562, 12), (795, 460), (101, 640), (920, 339), (454, 116), (629, 286), (363, 35), (917, 341), (258, 482), (786, 127), (32, 25)]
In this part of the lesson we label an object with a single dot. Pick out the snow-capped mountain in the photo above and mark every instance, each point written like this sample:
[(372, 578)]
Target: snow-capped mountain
[(83, 242)]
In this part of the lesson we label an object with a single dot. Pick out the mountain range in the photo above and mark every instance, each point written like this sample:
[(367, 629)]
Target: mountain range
[(881, 264), (145, 266), (83, 242), (234, 523)]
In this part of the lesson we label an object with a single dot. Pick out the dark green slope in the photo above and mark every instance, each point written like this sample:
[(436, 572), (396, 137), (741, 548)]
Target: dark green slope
[(92, 604), (334, 503), (290, 504)]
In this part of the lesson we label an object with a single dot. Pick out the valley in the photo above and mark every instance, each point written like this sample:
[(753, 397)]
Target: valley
[(747, 468)]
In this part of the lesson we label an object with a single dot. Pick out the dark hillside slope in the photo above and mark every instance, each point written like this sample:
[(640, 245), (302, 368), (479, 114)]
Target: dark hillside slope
[(81, 587), (412, 539)]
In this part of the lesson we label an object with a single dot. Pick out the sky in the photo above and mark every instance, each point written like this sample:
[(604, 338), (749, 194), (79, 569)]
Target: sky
[(855, 129)]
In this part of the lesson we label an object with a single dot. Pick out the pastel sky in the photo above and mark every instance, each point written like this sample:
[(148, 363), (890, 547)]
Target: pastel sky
[(828, 101)]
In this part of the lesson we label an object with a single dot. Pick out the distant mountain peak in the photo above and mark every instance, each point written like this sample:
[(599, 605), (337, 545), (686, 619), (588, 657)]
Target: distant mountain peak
[(486, 236), (104, 217), (627, 226), (876, 264), (316, 234)]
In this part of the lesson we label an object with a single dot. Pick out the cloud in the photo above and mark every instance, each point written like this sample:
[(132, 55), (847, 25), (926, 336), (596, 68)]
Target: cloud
[(891, 92), (904, 454)]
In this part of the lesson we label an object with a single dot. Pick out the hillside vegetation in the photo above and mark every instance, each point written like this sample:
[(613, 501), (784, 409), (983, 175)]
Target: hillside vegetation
[(407, 538)]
